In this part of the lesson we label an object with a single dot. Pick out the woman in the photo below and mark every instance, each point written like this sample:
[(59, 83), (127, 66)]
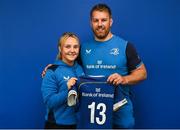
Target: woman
[(59, 78)]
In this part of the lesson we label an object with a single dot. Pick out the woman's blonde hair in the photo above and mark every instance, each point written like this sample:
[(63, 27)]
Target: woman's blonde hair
[(63, 39)]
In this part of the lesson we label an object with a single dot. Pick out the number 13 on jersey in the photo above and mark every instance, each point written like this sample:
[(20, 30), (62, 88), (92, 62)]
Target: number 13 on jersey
[(102, 113)]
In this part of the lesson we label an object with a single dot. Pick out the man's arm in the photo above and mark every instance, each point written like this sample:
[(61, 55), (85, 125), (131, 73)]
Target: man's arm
[(45, 69), (137, 70), (134, 77)]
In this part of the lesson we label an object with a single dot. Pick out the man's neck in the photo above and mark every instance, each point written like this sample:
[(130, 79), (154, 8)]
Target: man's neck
[(109, 36)]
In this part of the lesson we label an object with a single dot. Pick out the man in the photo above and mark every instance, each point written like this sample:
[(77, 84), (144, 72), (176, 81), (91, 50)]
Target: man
[(112, 56)]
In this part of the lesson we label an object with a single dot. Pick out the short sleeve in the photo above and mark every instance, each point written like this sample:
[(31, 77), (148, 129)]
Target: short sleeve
[(133, 59)]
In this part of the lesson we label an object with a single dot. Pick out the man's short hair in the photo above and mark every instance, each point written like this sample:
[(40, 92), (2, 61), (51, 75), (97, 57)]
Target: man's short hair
[(101, 7)]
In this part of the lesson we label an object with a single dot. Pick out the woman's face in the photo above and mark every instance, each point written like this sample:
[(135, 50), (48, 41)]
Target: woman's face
[(70, 50)]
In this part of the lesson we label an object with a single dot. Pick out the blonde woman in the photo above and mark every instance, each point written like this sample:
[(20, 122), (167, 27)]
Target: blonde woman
[(59, 78)]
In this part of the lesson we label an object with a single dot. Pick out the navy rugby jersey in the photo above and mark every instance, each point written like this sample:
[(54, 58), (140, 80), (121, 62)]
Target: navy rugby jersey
[(96, 99)]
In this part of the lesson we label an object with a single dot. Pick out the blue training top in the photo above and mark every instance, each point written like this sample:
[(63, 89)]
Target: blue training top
[(112, 56), (55, 91)]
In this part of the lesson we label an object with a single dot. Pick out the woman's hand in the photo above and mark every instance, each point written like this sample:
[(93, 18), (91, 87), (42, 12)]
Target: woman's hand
[(71, 82)]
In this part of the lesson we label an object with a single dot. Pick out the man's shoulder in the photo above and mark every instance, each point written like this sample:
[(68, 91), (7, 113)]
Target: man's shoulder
[(87, 45), (122, 40), (87, 42)]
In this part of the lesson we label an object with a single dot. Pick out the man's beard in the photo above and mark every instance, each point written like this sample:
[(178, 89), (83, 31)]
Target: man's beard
[(101, 35)]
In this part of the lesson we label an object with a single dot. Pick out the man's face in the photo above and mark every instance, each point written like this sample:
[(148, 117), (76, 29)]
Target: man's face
[(101, 23)]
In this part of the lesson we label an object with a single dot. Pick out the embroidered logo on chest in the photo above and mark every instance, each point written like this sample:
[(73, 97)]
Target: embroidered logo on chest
[(88, 51), (66, 78), (114, 51)]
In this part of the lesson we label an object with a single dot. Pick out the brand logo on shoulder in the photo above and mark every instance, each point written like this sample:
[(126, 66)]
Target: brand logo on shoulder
[(88, 51), (114, 51), (66, 78)]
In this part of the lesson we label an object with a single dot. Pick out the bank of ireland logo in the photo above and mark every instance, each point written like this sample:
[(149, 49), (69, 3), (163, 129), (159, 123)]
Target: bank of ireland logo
[(99, 62), (66, 78), (88, 51), (114, 51)]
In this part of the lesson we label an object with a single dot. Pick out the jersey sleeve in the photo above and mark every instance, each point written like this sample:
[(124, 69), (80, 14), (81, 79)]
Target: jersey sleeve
[(133, 59)]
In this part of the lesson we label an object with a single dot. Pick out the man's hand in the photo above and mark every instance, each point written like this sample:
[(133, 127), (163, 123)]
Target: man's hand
[(117, 79), (134, 77), (44, 71), (71, 82)]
